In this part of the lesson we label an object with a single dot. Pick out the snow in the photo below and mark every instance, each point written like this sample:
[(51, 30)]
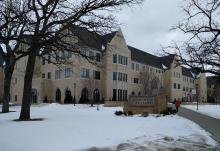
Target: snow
[(68, 128), (164, 67), (210, 110)]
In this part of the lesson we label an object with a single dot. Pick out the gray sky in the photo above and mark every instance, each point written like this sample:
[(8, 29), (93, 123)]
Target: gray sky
[(147, 27)]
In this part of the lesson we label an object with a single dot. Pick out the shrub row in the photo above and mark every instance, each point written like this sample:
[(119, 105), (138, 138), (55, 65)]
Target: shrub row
[(168, 111), (119, 113)]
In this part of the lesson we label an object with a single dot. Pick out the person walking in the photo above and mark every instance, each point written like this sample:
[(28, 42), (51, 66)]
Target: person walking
[(177, 105)]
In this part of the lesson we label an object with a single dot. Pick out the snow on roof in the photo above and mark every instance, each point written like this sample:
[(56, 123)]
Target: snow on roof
[(164, 67)]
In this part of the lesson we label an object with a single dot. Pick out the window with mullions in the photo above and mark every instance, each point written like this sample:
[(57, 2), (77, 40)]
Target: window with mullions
[(132, 66), (84, 73), (96, 75), (114, 58), (114, 97), (114, 75), (68, 72), (57, 74)]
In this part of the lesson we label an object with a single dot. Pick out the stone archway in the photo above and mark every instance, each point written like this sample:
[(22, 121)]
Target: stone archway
[(84, 96), (96, 95), (68, 96), (58, 96)]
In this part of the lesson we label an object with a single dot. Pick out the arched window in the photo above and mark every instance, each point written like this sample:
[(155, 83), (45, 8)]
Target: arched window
[(84, 96), (58, 96), (96, 95), (68, 96)]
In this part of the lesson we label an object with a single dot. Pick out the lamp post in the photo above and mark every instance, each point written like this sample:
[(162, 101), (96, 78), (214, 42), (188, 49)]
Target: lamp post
[(196, 85), (197, 98), (74, 99)]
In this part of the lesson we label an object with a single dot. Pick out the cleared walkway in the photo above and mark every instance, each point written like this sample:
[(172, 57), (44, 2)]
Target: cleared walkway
[(210, 124)]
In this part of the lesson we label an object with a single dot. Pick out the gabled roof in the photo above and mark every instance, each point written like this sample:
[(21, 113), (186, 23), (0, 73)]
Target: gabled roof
[(109, 37), (87, 37), (167, 60), (144, 57), (90, 38), (189, 72)]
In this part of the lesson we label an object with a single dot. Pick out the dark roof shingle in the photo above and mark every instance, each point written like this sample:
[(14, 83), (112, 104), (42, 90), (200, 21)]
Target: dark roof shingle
[(87, 37), (109, 37), (144, 57)]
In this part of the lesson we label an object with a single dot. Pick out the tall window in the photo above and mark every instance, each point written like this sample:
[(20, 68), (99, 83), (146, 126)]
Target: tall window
[(119, 95), (178, 86), (122, 77), (132, 66), (119, 76), (84, 73), (114, 75), (137, 67), (114, 97), (136, 80), (125, 93), (174, 85), (114, 58), (58, 74), (122, 60), (96, 75), (49, 75), (43, 75), (68, 72)]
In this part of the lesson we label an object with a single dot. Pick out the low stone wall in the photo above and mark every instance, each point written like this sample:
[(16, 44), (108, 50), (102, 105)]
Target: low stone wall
[(113, 103), (145, 104)]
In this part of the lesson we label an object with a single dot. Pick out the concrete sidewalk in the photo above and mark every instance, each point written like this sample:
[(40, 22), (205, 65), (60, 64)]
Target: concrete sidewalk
[(210, 124)]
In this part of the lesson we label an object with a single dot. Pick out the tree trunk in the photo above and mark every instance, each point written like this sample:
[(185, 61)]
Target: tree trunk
[(26, 100), (8, 71)]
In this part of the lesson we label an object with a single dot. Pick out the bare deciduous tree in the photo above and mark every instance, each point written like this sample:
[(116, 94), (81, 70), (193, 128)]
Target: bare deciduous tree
[(47, 18), (202, 25), (149, 82), (12, 28)]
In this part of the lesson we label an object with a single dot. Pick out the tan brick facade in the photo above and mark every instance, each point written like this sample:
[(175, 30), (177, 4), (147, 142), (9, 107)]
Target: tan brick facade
[(51, 86)]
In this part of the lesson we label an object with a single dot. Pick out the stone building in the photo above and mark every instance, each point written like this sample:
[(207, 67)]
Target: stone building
[(119, 71), (213, 89)]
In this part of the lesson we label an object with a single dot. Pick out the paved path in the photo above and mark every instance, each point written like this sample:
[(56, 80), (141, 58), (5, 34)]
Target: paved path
[(210, 124)]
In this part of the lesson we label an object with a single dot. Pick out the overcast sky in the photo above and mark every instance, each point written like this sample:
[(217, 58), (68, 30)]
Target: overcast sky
[(147, 27)]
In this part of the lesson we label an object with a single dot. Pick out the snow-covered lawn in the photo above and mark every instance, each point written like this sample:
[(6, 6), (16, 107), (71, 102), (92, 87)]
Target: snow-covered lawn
[(68, 128), (210, 110)]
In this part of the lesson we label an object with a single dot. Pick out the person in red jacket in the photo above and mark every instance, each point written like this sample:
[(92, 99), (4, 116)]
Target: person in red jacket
[(177, 104)]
